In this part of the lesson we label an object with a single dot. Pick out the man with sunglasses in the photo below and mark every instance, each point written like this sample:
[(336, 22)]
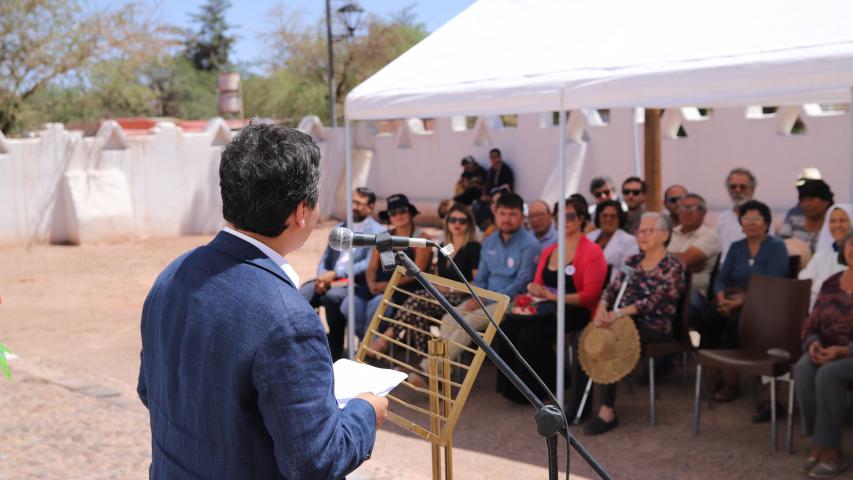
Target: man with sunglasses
[(329, 288), (671, 197), (634, 193), (740, 184), (601, 189)]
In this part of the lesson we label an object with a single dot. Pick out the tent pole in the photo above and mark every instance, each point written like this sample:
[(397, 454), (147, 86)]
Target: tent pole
[(635, 138), (850, 125), (652, 148), (350, 272), (561, 261)]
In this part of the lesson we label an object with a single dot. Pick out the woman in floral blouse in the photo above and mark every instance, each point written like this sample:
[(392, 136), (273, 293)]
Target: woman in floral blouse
[(650, 299), (824, 373)]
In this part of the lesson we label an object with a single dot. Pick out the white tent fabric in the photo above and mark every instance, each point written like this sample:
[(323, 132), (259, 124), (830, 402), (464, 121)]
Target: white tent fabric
[(527, 56), (534, 56)]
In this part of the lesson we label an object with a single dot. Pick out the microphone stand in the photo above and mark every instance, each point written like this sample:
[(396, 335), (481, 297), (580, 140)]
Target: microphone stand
[(549, 419)]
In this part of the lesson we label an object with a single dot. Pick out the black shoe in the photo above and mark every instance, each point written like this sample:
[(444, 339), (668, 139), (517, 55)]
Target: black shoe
[(598, 426), (762, 415)]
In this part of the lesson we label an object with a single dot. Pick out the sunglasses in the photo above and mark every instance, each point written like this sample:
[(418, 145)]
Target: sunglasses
[(571, 216), (689, 208), (398, 211), (631, 191), (459, 220), (675, 199), (601, 193), (738, 187)]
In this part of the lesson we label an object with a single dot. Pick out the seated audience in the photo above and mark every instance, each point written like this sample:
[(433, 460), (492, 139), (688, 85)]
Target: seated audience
[(459, 229), (329, 288), (486, 219), (473, 178), (815, 199), (697, 246), (650, 300), (508, 261), (825, 373), (808, 173), (671, 197), (740, 184), (541, 223), (825, 261), (634, 193), (534, 334), (499, 174), (400, 215), (617, 244), (719, 322)]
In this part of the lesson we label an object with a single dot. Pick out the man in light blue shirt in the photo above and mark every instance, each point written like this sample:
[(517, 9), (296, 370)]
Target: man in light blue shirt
[(329, 288), (508, 262)]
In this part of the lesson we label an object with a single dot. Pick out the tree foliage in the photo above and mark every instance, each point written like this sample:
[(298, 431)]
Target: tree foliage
[(208, 49), (46, 41), (60, 62), (297, 81)]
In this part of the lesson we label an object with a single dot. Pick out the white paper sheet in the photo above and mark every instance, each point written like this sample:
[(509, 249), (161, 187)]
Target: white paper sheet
[(352, 378)]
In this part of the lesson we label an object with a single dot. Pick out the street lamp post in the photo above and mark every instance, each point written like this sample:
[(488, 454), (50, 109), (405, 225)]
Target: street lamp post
[(351, 14)]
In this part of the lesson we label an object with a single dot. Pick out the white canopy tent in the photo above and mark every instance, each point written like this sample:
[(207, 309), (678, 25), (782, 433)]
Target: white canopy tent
[(532, 56)]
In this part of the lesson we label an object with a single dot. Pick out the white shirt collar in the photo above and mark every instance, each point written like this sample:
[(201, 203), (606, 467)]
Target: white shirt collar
[(269, 252)]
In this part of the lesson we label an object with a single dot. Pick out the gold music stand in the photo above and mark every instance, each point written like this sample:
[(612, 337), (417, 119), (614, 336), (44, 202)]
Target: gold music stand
[(441, 403)]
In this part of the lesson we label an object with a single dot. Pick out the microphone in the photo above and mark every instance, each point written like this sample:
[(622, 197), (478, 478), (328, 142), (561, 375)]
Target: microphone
[(343, 239)]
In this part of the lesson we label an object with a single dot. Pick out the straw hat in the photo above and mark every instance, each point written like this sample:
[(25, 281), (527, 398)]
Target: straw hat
[(608, 354)]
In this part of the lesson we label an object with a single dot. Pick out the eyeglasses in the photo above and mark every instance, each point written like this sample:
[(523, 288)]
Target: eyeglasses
[(646, 231), (459, 220), (359, 204), (398, 211), (571, 216), (689, 208), (601, 193), (674, 199), (738, 187), (631, 191), (751, 219)]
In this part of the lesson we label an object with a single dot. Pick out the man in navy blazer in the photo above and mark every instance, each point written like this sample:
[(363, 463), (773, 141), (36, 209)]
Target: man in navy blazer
[(235, 367)]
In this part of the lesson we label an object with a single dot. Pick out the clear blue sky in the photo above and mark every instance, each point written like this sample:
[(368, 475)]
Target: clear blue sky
[(251, 16)]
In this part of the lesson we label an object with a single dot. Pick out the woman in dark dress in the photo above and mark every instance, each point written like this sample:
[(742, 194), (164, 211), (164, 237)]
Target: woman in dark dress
[(535, 335), (460, 230)]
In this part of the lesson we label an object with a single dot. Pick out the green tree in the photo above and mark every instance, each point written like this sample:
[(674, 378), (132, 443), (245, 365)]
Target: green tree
[(180, 90), (296, 84), (208, 49), (47, 41)]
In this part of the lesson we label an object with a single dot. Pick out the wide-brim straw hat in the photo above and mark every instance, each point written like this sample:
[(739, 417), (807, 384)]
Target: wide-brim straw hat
[(609, 354)]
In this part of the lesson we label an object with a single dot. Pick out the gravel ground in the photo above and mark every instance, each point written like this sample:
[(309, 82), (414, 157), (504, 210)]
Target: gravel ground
[(71, 314)]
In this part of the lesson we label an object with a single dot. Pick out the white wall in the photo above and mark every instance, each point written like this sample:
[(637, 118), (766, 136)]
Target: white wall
[(51, 186), (427, 170)]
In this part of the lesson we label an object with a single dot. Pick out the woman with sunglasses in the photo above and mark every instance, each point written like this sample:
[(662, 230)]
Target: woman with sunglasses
[(534, 335), (399, 216), (459, 229)]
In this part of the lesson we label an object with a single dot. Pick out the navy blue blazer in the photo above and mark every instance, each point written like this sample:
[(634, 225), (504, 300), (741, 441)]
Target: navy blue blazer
[(237, 376)]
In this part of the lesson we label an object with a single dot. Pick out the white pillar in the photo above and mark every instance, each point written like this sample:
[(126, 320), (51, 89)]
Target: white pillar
[(850, 140), (350, 272), (561, 261)]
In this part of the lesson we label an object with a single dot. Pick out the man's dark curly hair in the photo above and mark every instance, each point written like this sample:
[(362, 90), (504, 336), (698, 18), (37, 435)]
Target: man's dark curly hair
[(266, 171)]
